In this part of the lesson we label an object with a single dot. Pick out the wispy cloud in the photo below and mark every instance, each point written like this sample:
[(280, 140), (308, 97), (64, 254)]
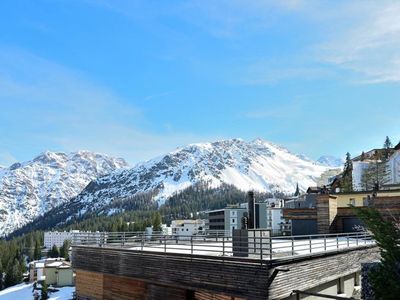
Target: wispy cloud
[(358, 36), (370, 46), (159, 95), (268, 72), (6, 159), (55, 107)]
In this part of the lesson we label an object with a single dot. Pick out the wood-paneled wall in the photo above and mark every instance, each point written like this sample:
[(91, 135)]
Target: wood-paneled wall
[(309, 273), (225, 276)]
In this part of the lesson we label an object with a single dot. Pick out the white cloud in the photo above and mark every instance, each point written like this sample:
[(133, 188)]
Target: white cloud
[(370, 46)]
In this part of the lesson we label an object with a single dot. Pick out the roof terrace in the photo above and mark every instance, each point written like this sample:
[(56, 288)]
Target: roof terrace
[(258, 246)]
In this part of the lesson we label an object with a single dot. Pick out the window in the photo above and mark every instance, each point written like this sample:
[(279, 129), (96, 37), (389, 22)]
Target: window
[(187, 229), (340, 286), (233, 220), (356, 279), (352, 201)]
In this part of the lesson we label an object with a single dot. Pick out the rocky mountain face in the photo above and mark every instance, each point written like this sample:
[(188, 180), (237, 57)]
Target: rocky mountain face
[(257, 165), (29, 189)]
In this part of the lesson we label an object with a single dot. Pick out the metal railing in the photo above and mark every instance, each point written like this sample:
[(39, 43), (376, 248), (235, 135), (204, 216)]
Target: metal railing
[(217, 244)]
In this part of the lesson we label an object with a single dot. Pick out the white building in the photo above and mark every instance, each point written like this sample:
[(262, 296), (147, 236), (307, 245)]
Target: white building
[(187, 227), (393, 167), (358, 170), (392, 170), (52, 238), (275, 219)]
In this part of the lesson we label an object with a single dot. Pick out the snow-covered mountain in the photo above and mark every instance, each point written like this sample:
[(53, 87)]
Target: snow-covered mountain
[(257, 165), (32, 188), (331, 161)]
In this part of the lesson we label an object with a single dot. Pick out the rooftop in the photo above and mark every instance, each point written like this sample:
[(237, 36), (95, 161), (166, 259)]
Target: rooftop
[(261, 247)]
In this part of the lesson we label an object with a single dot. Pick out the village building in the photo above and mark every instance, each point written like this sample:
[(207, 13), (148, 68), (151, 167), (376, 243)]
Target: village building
[(182, 228), (54, 271)]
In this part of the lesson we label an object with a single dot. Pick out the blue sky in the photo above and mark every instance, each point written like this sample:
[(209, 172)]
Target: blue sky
[(138, 78)]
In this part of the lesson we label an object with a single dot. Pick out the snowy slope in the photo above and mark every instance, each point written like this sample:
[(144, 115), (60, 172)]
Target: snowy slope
[(257, 165), (32, 188), (331, 161), (24, 292)]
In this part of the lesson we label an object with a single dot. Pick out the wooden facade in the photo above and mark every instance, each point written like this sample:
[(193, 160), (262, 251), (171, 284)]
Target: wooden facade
[(175, 274), (308, 273), (109, 273), (326, 213), (300, 213)]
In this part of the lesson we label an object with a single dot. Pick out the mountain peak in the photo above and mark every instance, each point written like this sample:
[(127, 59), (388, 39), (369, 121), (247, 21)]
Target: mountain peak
[(331, 161), (31, 188), (258, 165)]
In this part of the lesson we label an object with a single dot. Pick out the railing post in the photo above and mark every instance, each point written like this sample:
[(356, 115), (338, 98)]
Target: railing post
[(223, 246), (261, 247), (348, 242), (292, 246), (165, 244), (337, 241), (357, 239), (123, 239), (310, 244), (325, 242), (142, 243), (270, 247), (191, 245)]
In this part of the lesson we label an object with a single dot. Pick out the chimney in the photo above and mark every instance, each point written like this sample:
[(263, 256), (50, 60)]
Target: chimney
[(251, 207)]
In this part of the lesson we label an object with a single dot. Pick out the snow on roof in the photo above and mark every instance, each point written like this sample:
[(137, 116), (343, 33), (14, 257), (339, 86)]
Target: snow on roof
[(54, 264), (65, 267)]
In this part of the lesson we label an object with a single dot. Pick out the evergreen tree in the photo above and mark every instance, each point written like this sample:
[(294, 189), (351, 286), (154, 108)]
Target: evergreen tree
[(64, 250), (44, 294), (347, 177), (54, 252), (362, 158), (384, 279), (37, 254), (387, 145), (297, 193), (157, 222), (1, 275), (13, 274)]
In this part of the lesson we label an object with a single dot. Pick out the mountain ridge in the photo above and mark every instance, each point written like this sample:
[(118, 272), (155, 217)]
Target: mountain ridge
[(255, 165), (258, 165), (30, 188)]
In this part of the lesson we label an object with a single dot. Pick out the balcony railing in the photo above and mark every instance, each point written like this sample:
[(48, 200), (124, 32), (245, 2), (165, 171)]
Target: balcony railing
[(218, 243)]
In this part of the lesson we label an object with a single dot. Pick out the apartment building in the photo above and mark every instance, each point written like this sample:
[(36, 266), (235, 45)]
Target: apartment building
[(57, 238)]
